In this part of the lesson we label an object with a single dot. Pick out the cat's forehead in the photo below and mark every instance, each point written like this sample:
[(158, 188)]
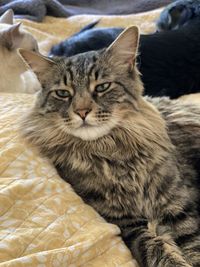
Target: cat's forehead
[(82, 64), (78, 73)]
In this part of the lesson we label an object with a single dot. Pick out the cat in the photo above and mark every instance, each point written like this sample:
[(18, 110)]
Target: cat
[(177, 14), (168, 61), (112, 145), (13, 75)]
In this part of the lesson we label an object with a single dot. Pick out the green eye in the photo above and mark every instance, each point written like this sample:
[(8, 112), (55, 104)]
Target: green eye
[(62, 93), (100, 88)]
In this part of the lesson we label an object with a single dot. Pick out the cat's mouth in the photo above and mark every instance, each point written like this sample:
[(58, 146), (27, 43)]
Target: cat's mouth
[(85, 124), (89, 131)]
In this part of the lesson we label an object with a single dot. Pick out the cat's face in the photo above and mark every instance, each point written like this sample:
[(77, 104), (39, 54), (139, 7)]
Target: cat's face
[(89, 94)]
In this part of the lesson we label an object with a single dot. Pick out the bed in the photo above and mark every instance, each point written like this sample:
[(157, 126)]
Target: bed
[(42, 221)]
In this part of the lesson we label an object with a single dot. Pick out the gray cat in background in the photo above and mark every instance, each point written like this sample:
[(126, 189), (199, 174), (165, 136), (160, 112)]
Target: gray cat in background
[(137, 166)]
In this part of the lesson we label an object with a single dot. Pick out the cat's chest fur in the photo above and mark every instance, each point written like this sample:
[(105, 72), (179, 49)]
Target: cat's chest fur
[(114, 188)]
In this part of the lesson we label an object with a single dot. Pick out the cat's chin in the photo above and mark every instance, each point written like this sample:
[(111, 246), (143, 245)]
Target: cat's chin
[(90, 133)]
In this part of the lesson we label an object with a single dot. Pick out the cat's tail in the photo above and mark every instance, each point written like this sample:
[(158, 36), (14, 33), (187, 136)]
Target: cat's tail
[(90, 26)]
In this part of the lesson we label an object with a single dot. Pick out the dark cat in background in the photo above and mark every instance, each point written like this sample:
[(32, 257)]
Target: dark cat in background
[(177, 14), (169, 61)]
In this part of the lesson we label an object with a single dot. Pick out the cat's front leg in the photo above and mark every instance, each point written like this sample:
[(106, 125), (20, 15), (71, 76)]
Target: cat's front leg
[(185, 228), (152, 249), (190, 245)]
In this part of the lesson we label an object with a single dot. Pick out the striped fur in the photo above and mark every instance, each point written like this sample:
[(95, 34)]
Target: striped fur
[(131, 162)]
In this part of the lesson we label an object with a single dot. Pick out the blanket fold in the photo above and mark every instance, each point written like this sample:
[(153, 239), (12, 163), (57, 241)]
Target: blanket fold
[(36, 9)]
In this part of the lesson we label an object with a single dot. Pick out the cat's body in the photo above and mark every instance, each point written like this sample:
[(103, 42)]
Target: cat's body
[(169, 61), (177, 14), (13, 75), (183, 123), (113, 147), (133, 194)]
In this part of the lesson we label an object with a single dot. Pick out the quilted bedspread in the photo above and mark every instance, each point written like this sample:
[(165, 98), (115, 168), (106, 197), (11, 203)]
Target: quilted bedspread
[(43, 223)]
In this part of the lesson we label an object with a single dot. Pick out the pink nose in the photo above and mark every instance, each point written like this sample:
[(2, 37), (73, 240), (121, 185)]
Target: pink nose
[(82, 112)]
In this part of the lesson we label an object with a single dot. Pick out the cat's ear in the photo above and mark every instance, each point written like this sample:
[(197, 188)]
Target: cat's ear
[(124, 49), (12, 36), (35, 61), (7, 17)]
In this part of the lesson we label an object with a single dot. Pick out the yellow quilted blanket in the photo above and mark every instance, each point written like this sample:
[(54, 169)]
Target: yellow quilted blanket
[(43, 223)]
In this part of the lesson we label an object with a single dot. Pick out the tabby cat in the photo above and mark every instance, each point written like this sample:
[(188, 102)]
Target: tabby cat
[(112, 146)]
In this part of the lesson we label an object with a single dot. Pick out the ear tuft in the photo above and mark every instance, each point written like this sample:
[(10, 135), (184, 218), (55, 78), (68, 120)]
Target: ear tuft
[(35, 61), (7, 17), (124, 48)]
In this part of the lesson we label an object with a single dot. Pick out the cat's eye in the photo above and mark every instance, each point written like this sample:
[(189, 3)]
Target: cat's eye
[(100, 88), (62, 93)]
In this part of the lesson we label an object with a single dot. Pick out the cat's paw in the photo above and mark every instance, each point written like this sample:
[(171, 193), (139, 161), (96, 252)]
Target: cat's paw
[(177, 14)]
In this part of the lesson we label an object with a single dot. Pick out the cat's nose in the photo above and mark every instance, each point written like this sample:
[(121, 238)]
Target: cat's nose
[(83, 113)]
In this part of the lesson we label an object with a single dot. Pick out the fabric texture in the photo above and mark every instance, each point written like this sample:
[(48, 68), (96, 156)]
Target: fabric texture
[(36, 9)]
